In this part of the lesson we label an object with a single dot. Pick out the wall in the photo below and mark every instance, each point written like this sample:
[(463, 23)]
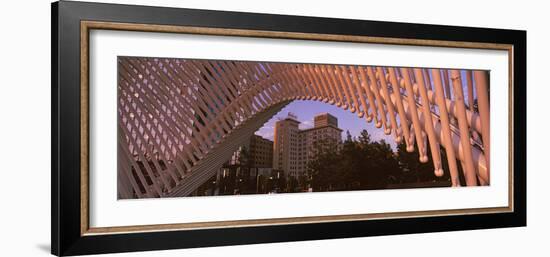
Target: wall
[(25, 128)]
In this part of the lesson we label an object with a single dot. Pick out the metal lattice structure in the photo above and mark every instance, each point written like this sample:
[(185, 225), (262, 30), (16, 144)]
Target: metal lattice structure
[(179, 119)]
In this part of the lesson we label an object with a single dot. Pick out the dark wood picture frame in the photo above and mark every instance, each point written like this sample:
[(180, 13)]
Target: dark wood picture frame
[(71, 22)]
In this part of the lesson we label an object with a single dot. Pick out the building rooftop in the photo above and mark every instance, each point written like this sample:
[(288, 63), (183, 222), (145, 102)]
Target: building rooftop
[(321, 127)]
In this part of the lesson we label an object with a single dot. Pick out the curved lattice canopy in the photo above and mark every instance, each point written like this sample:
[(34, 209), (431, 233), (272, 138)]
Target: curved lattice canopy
[(179, 119)]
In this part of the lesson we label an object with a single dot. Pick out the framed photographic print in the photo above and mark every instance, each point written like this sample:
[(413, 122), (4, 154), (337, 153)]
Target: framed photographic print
[(177, 128)]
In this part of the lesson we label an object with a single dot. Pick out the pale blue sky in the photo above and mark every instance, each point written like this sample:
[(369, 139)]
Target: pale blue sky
[(306, 110)]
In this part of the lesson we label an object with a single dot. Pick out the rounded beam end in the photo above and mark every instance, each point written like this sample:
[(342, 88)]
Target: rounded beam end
[(398, 139), (438, 172), (423, 158)]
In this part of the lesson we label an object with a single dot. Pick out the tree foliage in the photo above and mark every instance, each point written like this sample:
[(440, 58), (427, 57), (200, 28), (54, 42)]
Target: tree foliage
[(414, 171), (361, 164), (358, 164), (355, 164)]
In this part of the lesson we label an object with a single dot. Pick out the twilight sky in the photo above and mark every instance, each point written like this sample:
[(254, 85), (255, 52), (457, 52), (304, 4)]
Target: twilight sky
[(306, 110)]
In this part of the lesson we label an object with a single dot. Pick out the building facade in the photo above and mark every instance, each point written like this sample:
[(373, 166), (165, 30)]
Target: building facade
[(286, 143), (294, 148), (240, 173), (261, 152)]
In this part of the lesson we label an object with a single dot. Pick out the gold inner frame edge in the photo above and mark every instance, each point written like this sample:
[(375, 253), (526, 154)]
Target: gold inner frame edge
[(86, 26)]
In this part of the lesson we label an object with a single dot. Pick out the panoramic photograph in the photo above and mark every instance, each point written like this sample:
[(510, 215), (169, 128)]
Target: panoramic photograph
[(194, 127)]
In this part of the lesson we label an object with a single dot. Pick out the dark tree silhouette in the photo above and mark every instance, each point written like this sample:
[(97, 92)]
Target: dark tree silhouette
[(358, 165), (413, 171)]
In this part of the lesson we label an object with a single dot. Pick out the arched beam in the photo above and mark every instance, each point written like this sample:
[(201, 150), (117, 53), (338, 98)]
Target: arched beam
[(175, 114)]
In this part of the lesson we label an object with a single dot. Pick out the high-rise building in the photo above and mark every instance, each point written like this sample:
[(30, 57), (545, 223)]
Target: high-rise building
[(240, 173), (294, 148), (325, 119), (261, 152), (285, 146)]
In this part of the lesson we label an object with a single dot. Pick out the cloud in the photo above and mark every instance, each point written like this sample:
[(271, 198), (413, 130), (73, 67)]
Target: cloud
[(306, 124), (265, 134)]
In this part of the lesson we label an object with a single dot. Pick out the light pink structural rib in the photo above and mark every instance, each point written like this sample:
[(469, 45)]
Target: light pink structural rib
[(178, 119)]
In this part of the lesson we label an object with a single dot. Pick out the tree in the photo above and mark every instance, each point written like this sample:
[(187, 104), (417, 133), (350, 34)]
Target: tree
[(383, 164), (243, 180), (360, 164), (413, 171), (364, 138), (323, 169)]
